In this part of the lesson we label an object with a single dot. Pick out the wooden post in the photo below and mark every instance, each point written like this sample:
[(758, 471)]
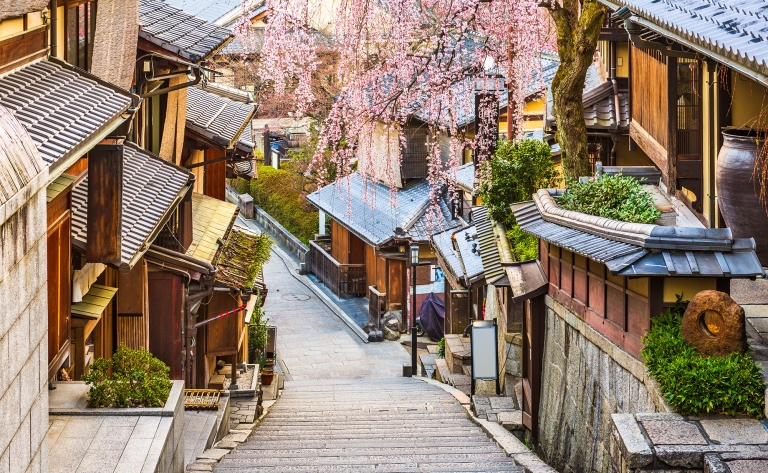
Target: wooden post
[(105, 200), (267, 151), (672, 124), (79, 330), (185, 220)]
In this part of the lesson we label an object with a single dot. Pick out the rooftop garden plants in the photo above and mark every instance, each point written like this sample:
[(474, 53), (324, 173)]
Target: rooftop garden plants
[(131, 378), (519, 169), (615, 197), (694, 384)]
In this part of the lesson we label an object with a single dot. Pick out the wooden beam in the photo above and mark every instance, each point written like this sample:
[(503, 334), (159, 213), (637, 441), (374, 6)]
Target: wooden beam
[(651, 147), (105, 201)]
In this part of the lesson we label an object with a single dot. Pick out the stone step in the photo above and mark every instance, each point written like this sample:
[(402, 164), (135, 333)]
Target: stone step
[(256, 443), (435, 422), (402, 468), (381, 437), (314, 460), (355, 451)]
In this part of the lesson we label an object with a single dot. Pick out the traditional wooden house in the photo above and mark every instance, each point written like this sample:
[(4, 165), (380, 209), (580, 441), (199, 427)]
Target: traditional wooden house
[(606, 281), (689, 76), (219, 141), (365, 253)]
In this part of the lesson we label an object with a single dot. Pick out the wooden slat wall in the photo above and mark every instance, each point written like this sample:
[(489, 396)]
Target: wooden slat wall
[(105, 197), (133, 330), (370, 265), (59, 267), (215, 175), (356, 250), (339, 243), (649, 95), (395, 281), (222, 335)]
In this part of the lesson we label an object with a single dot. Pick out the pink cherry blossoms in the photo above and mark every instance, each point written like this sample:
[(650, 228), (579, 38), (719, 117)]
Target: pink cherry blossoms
[(400, 59)]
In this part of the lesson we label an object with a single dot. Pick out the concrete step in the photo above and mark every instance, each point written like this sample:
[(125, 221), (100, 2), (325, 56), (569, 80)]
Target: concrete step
[(256, 443), (314, 460), (402, 468), (350, 451)]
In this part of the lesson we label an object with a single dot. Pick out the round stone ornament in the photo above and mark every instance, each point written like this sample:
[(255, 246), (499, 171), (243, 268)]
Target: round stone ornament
[(714, 324)]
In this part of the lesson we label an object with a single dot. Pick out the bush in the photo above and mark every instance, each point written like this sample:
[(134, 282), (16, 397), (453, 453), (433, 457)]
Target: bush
[(519, 169), (131, 378), (257, 335), (615, 197), (275, 191), (441, 348), (697, 385)]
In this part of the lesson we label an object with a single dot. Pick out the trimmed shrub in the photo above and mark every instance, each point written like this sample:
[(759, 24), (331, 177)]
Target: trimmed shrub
[(131, 378), (615, 197), (276, 192), (697, 385)]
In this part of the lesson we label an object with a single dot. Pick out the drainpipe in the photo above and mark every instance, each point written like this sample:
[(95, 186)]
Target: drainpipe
[(54, 27)]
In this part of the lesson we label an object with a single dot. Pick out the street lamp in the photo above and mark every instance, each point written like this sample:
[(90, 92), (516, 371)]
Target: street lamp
[(414, 264)]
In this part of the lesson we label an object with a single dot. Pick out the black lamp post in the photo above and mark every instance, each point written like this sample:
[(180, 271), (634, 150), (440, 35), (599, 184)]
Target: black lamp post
[(414, 264)]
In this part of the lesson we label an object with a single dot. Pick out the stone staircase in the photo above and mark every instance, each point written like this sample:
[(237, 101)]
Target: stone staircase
[(386, 425), (456, 368)]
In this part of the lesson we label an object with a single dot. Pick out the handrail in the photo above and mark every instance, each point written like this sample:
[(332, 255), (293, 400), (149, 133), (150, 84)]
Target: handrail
[(336, 263)]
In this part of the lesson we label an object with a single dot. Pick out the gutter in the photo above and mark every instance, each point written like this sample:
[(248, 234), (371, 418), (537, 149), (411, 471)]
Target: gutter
[(761, 78)]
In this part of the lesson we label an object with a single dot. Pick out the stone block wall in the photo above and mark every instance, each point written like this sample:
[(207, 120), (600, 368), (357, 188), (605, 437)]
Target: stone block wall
[(23, 335), (585, 379)]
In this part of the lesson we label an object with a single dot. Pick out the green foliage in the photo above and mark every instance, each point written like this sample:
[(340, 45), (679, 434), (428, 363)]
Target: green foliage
[(441, 348), (615, 197), (131, 378), (262, 250), (697, 385), (524, 246), (519, 169), (276, 191), (257, 335)]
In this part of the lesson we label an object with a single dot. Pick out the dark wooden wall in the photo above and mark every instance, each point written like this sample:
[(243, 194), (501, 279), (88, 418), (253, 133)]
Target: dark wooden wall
[(215, 175), (339, 243), (59, 268), (166, 318)]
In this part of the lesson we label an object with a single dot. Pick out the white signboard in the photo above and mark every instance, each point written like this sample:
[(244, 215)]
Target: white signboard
[(484, 352)]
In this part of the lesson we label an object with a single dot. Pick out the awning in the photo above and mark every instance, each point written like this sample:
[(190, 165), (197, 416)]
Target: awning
[(526, 280), (220, 119), (65, 109), (59, 185), (212, 220), (180, 33), (94, 302), (152, 188)]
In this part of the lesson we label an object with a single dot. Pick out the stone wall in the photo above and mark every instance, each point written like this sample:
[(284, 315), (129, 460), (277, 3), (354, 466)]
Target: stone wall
[(585, 379), (23, 333)]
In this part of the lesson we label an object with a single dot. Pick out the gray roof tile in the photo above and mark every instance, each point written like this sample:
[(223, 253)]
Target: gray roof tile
[(443, 243), (469, 252), (61, 107), (208, 10), (150, 188), (219, 118), (489, 248), (736, 30), (179, 32), (373, 211), (465, 177)]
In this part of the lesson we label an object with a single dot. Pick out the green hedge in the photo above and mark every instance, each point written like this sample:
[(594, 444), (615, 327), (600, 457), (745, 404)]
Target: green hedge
[(697, 385), (275, 192)]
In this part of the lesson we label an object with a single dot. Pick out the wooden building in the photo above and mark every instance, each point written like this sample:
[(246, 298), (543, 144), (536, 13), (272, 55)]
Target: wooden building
[(617, 276)]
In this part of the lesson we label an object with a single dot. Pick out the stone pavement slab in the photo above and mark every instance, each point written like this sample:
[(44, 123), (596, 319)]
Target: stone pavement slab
[(673, 432), (748, 466), (735, 431)]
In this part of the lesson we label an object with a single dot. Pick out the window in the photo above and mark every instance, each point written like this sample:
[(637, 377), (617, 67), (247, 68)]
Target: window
[(80, 21)]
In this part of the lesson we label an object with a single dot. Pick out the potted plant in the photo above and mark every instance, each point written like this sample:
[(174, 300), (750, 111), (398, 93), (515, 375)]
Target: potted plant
[(257, 342)]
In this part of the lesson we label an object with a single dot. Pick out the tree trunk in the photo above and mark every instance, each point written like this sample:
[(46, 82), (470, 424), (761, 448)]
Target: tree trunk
[(578, 29)]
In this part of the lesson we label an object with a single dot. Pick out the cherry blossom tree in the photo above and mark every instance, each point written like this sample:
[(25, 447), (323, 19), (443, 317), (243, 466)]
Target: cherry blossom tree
[(403, 58)]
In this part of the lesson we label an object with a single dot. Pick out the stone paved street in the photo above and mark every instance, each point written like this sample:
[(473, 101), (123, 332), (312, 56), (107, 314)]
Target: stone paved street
[(346, 406)]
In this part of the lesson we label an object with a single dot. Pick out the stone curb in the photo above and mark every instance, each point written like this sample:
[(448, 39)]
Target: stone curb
[(511, 445)]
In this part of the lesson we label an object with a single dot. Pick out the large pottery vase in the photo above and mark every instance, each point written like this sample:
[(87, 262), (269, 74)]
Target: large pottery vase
[(737, 193)]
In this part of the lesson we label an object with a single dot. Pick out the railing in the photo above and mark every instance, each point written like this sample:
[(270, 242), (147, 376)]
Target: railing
[(345, 280), (377, 306)]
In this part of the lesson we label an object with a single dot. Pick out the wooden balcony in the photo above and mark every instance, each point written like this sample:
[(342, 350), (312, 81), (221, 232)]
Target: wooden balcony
[(345, 280)]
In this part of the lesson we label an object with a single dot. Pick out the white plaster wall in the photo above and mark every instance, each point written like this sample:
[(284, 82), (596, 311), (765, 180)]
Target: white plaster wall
[(24, 338)]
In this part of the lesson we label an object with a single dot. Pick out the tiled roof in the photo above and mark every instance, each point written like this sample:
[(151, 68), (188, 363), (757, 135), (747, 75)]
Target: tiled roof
[(212, 220), (599, 108), (469, 252), (736, 30), (443, 244), (434, 220), (227, 92), (62, 107), (627, 259), (178, 32), (366, 208), (151, 188), (252, 44), (489, 248), (208, 10), (465, 177), (218, 118), (236, 265)]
